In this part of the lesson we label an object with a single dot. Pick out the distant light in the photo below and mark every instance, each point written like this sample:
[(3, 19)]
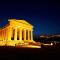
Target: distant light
[(51, 43), (59, 35)]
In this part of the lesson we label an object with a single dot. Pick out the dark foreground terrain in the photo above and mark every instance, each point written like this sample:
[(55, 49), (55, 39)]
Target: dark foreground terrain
[(11, 53)]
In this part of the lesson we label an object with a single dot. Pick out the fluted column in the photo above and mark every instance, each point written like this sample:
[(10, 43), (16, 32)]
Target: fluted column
[(31, 34), (28, 35), (15, 34), (2, 34), (24, 34), (9, 33), (6, 34), (20, 34)]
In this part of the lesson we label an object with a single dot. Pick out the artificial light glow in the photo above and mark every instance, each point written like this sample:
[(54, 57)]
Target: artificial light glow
[(15, 34), (32, 46), (51, 43), (48, 44)]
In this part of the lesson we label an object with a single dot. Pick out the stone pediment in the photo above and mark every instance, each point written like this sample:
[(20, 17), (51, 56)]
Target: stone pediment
[(21, 22)]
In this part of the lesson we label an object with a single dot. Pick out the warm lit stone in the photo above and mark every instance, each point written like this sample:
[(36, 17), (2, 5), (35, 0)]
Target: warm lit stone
[(14, 33)]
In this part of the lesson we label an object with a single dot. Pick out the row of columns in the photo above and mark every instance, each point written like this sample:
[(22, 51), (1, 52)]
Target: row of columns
[(30, 34)]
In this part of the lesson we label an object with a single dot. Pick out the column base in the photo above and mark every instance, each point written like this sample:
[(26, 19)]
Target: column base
[(21, 41), (31, 41), (27, 41)]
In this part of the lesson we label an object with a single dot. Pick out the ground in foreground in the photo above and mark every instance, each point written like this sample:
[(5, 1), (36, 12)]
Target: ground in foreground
[(11, 53)]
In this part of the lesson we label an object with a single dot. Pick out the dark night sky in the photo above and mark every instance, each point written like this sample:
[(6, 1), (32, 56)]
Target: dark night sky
[(44, 16)]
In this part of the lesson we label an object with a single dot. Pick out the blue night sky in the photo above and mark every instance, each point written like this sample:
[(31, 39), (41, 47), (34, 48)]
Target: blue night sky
[(44, 16)]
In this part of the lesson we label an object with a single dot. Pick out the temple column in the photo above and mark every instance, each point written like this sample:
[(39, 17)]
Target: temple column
[(24, 34), (2, 34), (31, 35), (28, 35), (15, 35), (20, 34), (9, 33), (6, 34)]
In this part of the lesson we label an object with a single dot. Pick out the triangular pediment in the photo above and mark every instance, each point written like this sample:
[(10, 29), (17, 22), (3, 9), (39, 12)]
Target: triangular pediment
[(24, 22), (21, 22)]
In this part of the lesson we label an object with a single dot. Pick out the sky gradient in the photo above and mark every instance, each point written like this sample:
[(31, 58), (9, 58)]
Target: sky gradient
[(44, 16)]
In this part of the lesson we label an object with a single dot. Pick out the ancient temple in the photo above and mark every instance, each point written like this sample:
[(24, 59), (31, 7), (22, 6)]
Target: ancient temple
[(16, 31)]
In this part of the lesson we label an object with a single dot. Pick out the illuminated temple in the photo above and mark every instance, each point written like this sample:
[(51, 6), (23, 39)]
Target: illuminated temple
[(17, 32)]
